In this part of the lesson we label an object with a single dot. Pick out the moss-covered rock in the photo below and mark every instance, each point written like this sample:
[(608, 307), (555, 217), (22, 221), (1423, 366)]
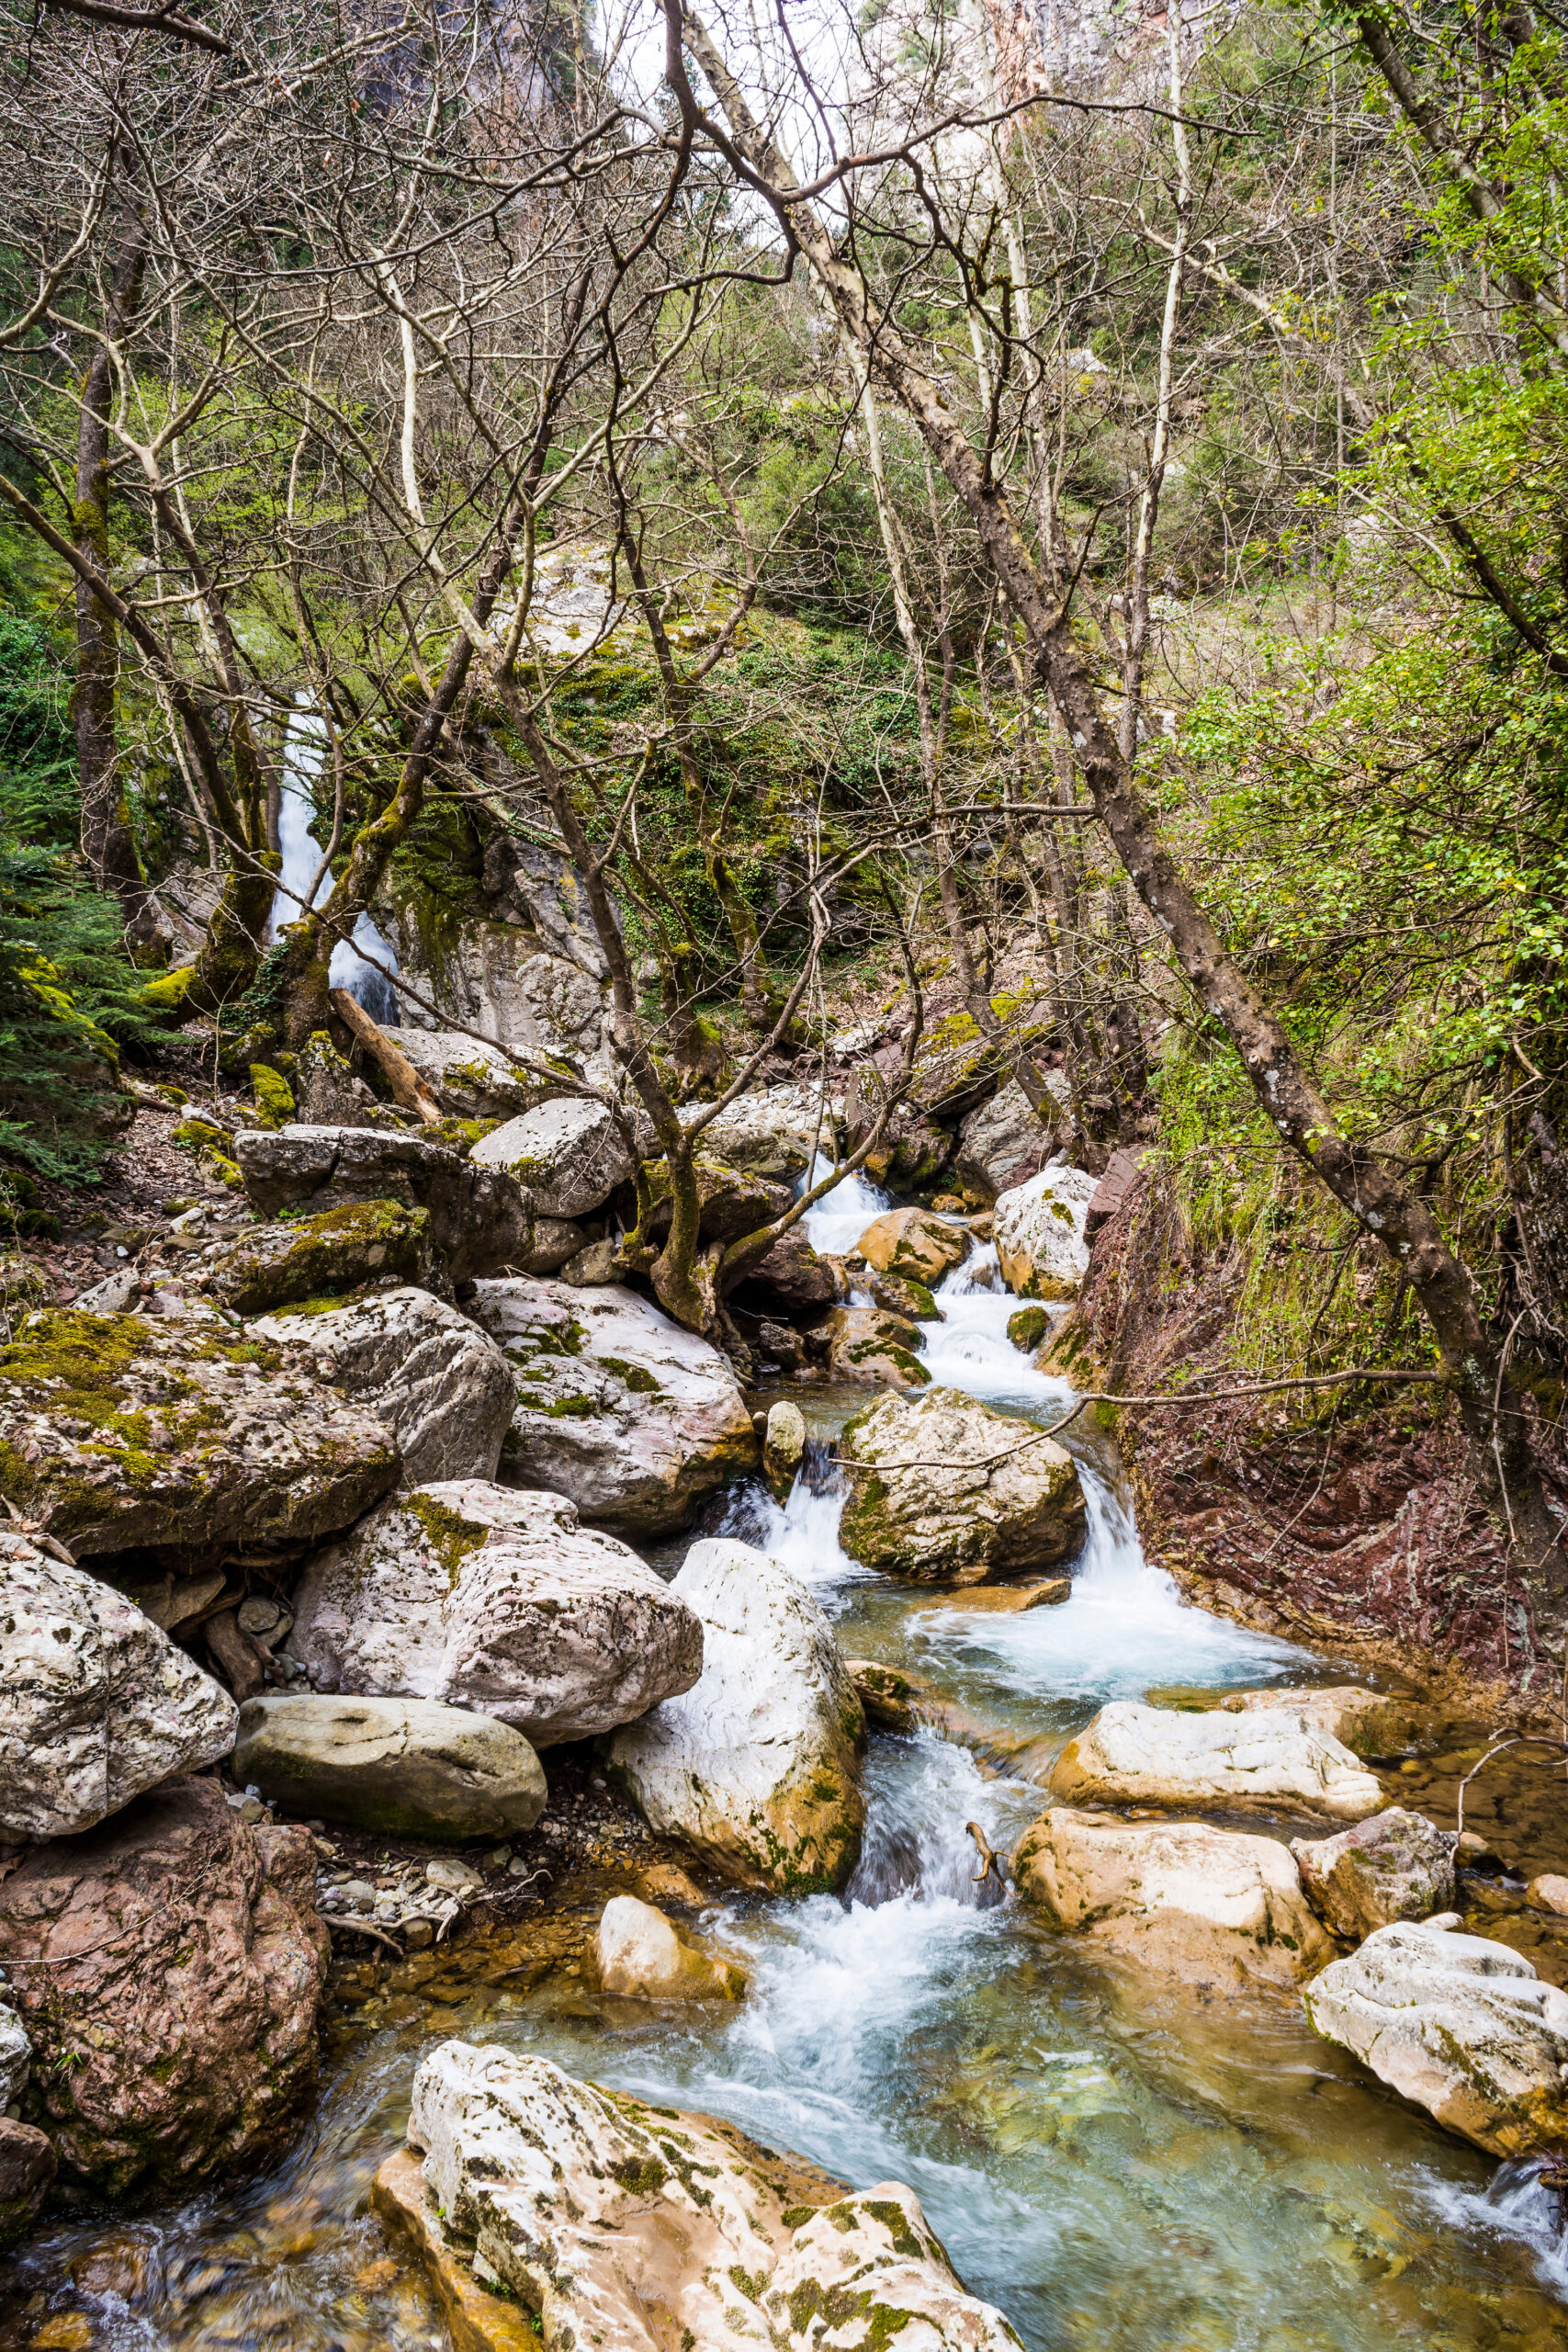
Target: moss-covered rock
[(912, 1242), (273, 1096), (117, 1431), (873, 1349), (1028, 1327), (323, 1257), (949, 1489)]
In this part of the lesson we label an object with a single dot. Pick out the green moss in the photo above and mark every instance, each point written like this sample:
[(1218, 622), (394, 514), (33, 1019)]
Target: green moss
[(794, 2217), (570, 1409), (273, 1096), (635, 1377), (315, 1256), (642, 2178), (449, 1536), (1028, 1327), (167, 995)]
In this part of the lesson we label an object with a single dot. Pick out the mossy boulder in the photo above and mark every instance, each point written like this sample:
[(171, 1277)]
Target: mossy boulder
[(731, 1202), (1028, 1327), (273, 1094), (323, 1256), (481, 1219), (873, 1349), (949, 1490), (913, 1242), (119, 1431)]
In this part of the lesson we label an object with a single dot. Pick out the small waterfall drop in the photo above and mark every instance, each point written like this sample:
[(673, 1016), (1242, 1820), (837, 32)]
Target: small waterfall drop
[(304, 750), (841, 1215)]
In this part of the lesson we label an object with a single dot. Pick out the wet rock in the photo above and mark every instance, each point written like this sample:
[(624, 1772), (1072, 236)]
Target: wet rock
[(440, 1385), (480, 1597), (1272, 1762), (1396, 1865), (321, 1256), (872, 1348), (1003, 1143), (27, 2165), (471, 1080), (794, 1276), (570, 1155), (1462, 2026), (978, 1494), (897, 1700), (1039, 1230), (174, 2026), (1548, 1893), (401, 1767), (1004, 1600), (644, 2229), (912, 1242), (665, 1883), (902, 1295), (15, 2058), (1028, 1327), (481, 1219), (774, 1132), (1369, 1723), (116, 1432), (96, 1705), (617, 1408), (641, 1956), (756, 1766), (1204, 1904), (783, 1447)]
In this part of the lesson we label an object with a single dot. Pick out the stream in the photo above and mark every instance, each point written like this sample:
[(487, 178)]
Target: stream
[(1118, 2163)]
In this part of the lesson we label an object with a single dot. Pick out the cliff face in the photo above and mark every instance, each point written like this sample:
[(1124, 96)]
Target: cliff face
[(1319, 1516)]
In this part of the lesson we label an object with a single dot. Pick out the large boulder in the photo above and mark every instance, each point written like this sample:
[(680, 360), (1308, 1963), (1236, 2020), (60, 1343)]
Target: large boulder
[(469, 1077), (443, 1388), (28, 2165), (1039, 1232), (397, 1768), (794, 1277), (1397, 1865), (949, 1489), (321, 1256), (481, 1218), (642, 1956), (913, 1242), (173, 2024), (1369, 1723), (1003, 1143), (571, 1155), (1275, 1762), (96, 1705), (731, 1202), (1462, 2026), (775, 1131), (1204, 1904), (869, 1348), (757, 1765), (481, 1597), (119, 1431), (617, 1408), (645, 2229)]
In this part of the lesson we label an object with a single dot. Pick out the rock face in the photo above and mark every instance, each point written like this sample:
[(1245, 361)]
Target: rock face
[(643, 2229), (617, 1408), (912, 1242), (400, 1767), (322, 1256), (445, 1391), (1204, 1904), (641, 1956), (873, 1349), (26, 2173), (96, 1705), (1274, 1762), (774, 1132), (176, 2026), (569, 1154), (1462, 2027), (1367, 1722), (481, 1218), (1039, 1232), (1002, 1144), (1396, 1865), (980, 1495), (480, 1597), (117, 1430), (756, 1766)]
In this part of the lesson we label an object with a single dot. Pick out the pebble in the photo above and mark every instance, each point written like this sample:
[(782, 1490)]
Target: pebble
[(458, 1878), (1549, 1893), (499, 1859), (359, 1889)]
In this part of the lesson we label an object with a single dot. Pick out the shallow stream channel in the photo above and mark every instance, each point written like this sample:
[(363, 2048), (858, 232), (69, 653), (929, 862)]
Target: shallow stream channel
[(1118, 2161)]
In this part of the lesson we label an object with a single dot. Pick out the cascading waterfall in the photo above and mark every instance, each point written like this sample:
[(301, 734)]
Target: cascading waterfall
[(304, 750)]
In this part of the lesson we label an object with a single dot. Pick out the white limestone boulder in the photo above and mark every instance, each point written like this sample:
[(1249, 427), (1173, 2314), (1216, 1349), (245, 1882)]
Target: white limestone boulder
[(399, 1768), (616, 1407), (1003, 1143), (1462, 2027), (1272, 1762), (15, 2058), (774, 1132), (441, 1384), (643, 2229), (1039, 1232), (469, 1077), (96, 1703), (479, 1595), (1371, 1723), (950, 1490), (568, 1155), (757, 1765), (1204, 1904), (642, 1956), (1396, 1865)]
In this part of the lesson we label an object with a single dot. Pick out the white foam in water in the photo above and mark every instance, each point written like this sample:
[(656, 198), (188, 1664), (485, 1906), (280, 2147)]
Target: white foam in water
[(841, 1215), (304, 750), (1516, 2204)]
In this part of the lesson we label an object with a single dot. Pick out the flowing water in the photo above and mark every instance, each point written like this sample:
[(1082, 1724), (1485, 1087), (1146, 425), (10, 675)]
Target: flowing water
[(303, 754), (1120, 2163)]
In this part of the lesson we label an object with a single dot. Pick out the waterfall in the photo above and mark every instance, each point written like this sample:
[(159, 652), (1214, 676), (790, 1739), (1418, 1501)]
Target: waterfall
[(304, 750)]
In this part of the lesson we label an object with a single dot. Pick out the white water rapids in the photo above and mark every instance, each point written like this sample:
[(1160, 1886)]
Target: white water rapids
[(304, 750)]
